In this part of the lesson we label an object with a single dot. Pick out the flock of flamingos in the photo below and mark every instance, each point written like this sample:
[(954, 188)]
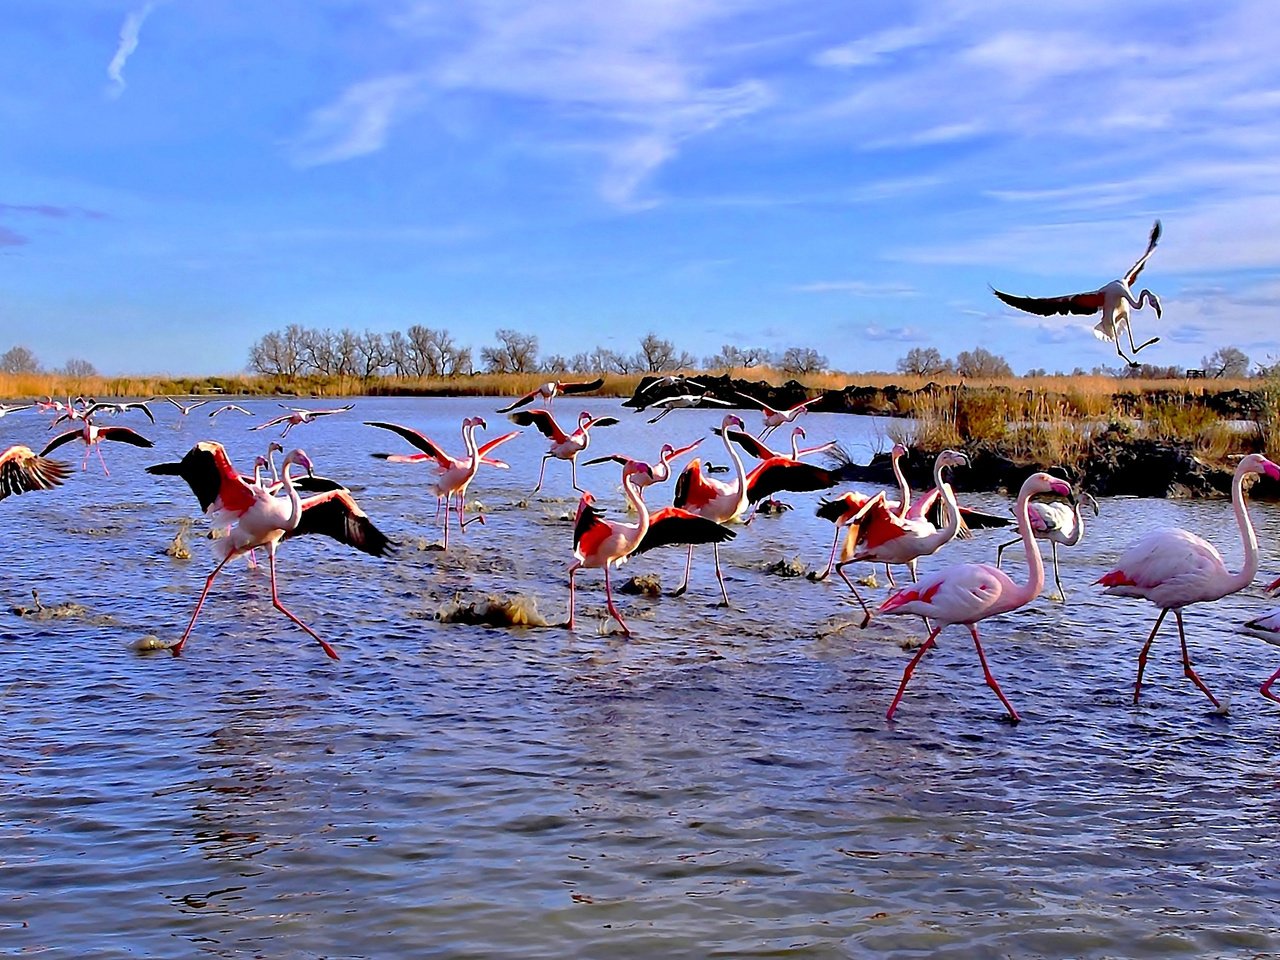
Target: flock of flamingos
[(1172, 568)]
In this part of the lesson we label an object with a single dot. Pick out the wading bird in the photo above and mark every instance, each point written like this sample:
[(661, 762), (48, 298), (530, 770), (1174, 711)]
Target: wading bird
[(773, 419), (1058, 523), (21, 470), (453, 474), (93, 435), (1174, 569), (186, 408), (7, 408), (564, 446), (598, 542), (969, 592), (659, 472), (712, 500), (298, 416), (554, 388), (1269, 623), (262, 519), (229, 407), (1115, 300)]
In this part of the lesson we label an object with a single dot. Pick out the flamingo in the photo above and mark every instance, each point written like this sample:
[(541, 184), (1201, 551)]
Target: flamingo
[(878, 535), (969, 592), (683, 401), (299, 415), (554, 388), (95, 406), (659, 472), (564, 446), (186, 408), (1269, 623), (844, 509), (1174, 569), (93, 435), (7, 408), (453, 474), (1115, 300), (21, 470), (263, 519), (712, 499), (1059, 524), (773, 419), (230, 407), (598, 542)]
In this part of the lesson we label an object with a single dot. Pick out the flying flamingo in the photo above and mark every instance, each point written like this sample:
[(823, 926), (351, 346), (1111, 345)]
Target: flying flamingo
[(1059, 524), (713, 500), (230, 407), (564, 446), (21, 471), (1115, 300), (659, 472), (95, 406), (877, 535), (93, 435), (683, 401), (549, 391), (186, 408), (773, 419), (1269, 623), (263, 519), (1174, 569), (299, 415), (7, 408), (969, 592), (453, 474)]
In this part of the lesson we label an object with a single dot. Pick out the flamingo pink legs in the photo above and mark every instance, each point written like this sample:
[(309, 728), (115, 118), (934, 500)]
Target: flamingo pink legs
[(982, 658), (1187, 670)]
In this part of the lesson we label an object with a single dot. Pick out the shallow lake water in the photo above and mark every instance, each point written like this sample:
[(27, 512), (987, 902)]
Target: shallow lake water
[(721, 784)]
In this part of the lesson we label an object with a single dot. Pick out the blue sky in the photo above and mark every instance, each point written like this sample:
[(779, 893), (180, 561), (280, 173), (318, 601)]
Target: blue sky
[(178, 177)]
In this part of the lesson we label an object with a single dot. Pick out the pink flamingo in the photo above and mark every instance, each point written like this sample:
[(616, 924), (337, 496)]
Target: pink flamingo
[(453, 474), (1059, 524), (1269, 623), (1174, 569), (263, 520), (298, 416), (21, 471), (598, 542), (564, 446), (846, 508), (659, 472), (713, 500), (93, 435), (1114, 300), (969, 592), (773, 419), (552, 389)]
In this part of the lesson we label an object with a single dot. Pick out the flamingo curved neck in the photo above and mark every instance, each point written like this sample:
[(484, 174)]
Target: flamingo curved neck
[(904, 490), (1239, 581), (947, 533), (1078, 532), (1035, 565), (739, 471), (473, 451), (295, 499)]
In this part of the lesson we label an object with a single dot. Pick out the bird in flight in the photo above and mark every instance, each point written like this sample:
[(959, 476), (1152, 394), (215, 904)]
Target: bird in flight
[(299, 415), (1115, 300), (554, 388)]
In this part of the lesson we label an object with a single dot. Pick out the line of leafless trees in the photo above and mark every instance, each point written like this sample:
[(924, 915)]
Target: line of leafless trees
[(423, 351), (19, 359)]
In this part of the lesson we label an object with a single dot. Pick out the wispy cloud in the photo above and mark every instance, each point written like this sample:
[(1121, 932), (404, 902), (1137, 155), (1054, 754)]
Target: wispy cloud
[(358, 123), (11, 238), (859, 288), (895, 334), (129, 32)]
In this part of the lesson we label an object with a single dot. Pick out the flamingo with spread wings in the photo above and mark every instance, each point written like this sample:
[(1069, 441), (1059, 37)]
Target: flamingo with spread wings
[(22, 471), (773, 419), (564, 446), (659, 472), (552, 389), (299, 415), (93, 435), (453, 474), (1115, 300)]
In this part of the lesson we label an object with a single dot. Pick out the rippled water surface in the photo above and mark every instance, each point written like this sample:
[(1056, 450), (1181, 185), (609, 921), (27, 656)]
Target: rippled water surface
[(722, 784)]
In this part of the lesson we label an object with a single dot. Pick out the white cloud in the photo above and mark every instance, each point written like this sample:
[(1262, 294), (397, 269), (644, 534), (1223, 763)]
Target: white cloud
[(129, 33), (357, 124), (861, 288)]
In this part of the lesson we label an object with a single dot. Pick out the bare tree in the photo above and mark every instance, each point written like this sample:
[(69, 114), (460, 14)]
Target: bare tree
[(398, 353), (732, 358), (1229, 362), (982, 363), (515, 352), (371, 354), (19, 360), (802, 360), (79, 369), (923, 362)]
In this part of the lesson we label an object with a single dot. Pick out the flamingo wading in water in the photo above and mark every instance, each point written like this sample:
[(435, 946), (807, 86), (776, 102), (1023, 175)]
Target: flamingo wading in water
[(1174, 568), (1269, 623), (1059, 524), (263, 520), (1115, 300), (564, 446), (969, 592), (453, 474)]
